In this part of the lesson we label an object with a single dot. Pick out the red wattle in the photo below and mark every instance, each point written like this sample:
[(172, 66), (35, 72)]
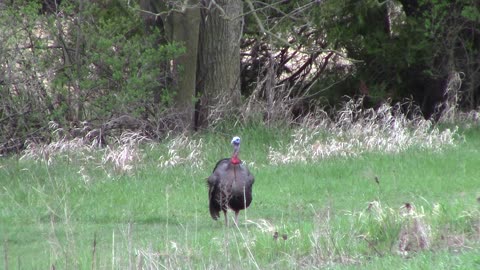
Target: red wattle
[(235, 160)]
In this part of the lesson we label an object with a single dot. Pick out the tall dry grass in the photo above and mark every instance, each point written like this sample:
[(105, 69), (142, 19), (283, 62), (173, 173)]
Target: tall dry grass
[(352, 131), (355, 130), (121, 156), (183, 150)]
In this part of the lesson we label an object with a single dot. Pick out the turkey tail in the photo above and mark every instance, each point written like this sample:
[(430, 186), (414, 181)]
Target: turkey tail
[(214, 205), (214, 210)]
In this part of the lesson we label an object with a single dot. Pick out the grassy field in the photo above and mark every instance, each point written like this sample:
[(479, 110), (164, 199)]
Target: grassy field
[(144, 206)]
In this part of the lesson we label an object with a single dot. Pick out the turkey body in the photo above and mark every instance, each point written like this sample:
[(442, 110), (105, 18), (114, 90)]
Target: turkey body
[(229, 186)]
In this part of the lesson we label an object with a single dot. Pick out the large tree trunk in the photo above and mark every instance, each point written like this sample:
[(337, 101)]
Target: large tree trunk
[(218, 73), (183, 27)]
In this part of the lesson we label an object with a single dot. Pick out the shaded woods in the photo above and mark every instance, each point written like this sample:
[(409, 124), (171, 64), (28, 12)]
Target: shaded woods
[(92, 69)]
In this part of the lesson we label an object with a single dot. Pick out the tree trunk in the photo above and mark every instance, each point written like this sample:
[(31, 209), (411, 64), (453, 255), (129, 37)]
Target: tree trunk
[(183, 27), (181, 24), (218, 73)]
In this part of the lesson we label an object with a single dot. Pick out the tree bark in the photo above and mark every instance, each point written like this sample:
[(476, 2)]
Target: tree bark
[(183, 27), (218, 72)]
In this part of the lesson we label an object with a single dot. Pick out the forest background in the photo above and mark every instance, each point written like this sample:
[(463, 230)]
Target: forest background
[(96, 68)]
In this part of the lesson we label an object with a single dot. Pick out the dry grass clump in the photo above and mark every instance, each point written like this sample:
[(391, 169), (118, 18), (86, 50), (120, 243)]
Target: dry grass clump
[(330, 245), (381, 230), (174, 257), (463, 238), (126, 153), (122, 155), (62, 146), (48, 152), (405, 228), (415, 233), (356, 130), (127, 253), (448, 111), (183, 150), (404, 231)]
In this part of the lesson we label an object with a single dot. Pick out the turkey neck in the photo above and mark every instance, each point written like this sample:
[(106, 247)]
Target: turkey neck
[(235, 161)]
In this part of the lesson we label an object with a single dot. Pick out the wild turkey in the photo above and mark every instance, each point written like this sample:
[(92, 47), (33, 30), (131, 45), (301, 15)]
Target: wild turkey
[(230, 185)]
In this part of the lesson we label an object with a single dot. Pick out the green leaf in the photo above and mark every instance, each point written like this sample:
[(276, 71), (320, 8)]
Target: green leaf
[(471, 13)]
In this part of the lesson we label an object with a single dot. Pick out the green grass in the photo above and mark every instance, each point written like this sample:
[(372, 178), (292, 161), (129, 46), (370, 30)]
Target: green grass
[(158, 217)]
